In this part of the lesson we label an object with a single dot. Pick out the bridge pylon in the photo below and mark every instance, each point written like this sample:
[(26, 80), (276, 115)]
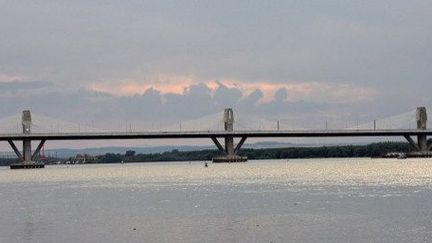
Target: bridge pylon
[(421, 147), (27, 158), (229, 151)]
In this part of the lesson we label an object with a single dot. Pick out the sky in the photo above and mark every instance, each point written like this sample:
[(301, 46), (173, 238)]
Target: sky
[(109, 62)]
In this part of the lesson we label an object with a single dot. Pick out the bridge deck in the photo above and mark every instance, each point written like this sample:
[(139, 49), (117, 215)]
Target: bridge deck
[(209, 134)]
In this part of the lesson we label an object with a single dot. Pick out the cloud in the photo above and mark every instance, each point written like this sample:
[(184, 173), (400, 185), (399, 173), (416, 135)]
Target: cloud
[(281, 95), (162, 83), (226, 96), (229, 92), (16, 86), (252, 99), (364, 43), (9, 78)]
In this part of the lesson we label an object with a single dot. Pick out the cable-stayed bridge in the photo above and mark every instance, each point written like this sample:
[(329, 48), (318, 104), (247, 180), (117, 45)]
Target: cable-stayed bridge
[(39, 128), (212, 122)]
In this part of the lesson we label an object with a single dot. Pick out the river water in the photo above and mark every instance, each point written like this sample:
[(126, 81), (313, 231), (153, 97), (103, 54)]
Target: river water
[(317, 200)]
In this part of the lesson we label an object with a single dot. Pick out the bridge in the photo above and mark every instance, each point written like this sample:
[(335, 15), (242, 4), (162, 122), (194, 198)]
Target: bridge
[(228, 150)]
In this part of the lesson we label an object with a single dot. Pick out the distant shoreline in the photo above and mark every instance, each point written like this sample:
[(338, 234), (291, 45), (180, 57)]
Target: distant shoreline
[(340, 151)]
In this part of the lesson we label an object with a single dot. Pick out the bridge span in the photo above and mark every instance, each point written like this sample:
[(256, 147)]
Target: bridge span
[(217, 134), (228, 149)]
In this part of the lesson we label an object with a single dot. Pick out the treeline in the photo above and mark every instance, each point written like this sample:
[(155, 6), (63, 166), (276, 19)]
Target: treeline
[(7, 161), (370, 150)]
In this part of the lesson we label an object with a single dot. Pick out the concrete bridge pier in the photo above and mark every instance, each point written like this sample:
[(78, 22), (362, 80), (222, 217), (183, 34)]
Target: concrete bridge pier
[(27, 151), (27, 158), (422, 147), (229, 151)]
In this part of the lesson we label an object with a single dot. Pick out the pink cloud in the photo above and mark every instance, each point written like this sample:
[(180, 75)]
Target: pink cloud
[(164, 84), (307, 90), (8, 78)]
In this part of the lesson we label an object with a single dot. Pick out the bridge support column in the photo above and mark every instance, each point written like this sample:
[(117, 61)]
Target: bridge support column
[(27, 158), (36, 153), (229, 151), (421, 117), (413, 144), (422, 147), (17, 152), (229, 145)]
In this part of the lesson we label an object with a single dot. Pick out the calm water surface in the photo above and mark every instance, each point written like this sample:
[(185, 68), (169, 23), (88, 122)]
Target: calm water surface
[(320, 200)]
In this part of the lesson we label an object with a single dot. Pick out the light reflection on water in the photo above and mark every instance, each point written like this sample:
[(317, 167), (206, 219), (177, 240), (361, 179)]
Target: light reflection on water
[(291, 172), (319, 200)]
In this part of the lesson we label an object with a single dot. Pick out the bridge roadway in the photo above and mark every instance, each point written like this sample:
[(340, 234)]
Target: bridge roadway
[(215, 134)]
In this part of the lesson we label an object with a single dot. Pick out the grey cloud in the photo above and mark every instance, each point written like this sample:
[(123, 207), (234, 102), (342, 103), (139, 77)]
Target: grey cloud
[(15, 86), (250, 102), (200, 90), (152, 107), (281, 95), (226, 97)]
